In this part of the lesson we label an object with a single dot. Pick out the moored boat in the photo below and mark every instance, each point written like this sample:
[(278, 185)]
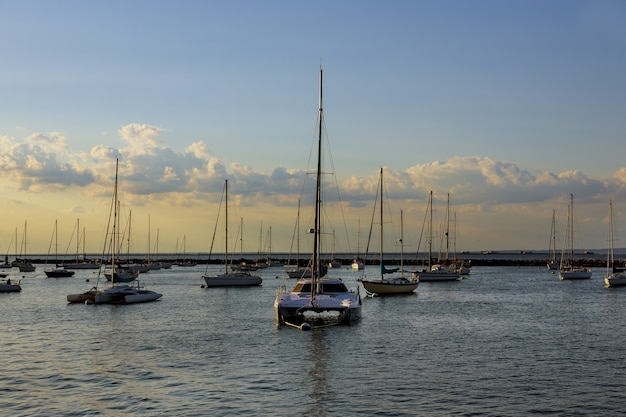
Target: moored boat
[(396, 282), (317, 298), (614, 277), (233, 278), (7, 285)]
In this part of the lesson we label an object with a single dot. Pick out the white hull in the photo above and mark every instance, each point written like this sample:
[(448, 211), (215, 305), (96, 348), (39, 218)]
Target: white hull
[(232, 279), (580, 273), (390, 286), (615, 280), (433, 276), (125, 294), (83, 265)]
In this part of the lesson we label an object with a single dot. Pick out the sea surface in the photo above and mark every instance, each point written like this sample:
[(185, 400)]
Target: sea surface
[(505, 341)]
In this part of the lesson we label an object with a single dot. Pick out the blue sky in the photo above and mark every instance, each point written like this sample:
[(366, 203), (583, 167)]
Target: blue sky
[(509, 106)]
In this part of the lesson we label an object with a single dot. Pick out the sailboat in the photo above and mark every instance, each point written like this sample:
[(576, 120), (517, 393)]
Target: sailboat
[(57, 272), (614, 277), (439, 271), (115, 294), (6, 264), (553, 264), (357, 263), (297, 271), (394, 284), (568, 270), (184, 262), (7, 285), (24, 264), (234, 278), (117, 272), (317, 298), (81, 261)]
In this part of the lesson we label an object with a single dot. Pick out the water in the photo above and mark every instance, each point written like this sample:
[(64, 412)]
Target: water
[(506, 341)]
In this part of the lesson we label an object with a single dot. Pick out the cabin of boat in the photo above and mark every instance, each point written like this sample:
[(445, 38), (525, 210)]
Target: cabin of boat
[(332, 302)]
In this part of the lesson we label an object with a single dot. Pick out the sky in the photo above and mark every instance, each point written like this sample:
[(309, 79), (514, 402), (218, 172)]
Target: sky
[(508, 107)]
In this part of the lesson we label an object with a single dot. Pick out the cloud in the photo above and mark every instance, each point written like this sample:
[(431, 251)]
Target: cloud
[(34, 165), (151, 170)]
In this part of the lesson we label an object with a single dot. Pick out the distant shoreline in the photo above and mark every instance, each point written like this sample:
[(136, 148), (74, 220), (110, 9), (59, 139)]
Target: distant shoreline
[(522, 258)]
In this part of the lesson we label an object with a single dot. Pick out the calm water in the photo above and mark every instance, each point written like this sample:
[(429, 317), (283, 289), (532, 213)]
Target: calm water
[(505, 341)]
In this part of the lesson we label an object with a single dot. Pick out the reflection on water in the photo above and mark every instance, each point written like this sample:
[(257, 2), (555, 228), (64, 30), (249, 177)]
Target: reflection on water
[(501, 342), (317, 375)]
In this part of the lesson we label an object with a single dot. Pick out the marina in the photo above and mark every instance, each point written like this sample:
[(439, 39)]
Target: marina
[(504, 341)]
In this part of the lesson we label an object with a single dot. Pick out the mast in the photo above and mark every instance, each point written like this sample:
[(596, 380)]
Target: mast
[(226, 227), (77, 238), (571, 234), (381, 224), (401, 245), (448, 228), (316, 266), (610, 255), (553, 237), (115, 220), (430, 231)]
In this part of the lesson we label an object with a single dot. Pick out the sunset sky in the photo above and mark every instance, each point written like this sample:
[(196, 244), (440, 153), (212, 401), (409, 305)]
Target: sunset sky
[(509, 106)]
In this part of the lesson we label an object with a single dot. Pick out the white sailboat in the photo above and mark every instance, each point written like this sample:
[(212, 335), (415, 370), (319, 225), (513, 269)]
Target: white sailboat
[(56, 272), (357, 263), (614, 277), (317, 298), (115, 294), (234, 278), (297, 271), (81, 261), (24, 264), (568, 269), (440, 271), (394, 284), (553, 263)]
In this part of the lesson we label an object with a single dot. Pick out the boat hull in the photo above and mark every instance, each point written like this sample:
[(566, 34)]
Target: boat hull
[(83, 265), (125, 294), (437, 276), (88, 296), (582, 273), (615, 280), (4, 287), (334, 304), (390, 287), (59, 273), (232, 280), (27, 267), (122, 276)]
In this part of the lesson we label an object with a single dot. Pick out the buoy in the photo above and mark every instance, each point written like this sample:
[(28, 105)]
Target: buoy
[(87, 280), (305, 326), (202, 286)]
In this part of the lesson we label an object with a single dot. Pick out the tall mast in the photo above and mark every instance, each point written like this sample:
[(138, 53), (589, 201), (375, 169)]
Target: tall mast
[(430, 230), (571, 234), (226, 227), (115, 237), (318, 199), (381, 223), (401, 245)]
